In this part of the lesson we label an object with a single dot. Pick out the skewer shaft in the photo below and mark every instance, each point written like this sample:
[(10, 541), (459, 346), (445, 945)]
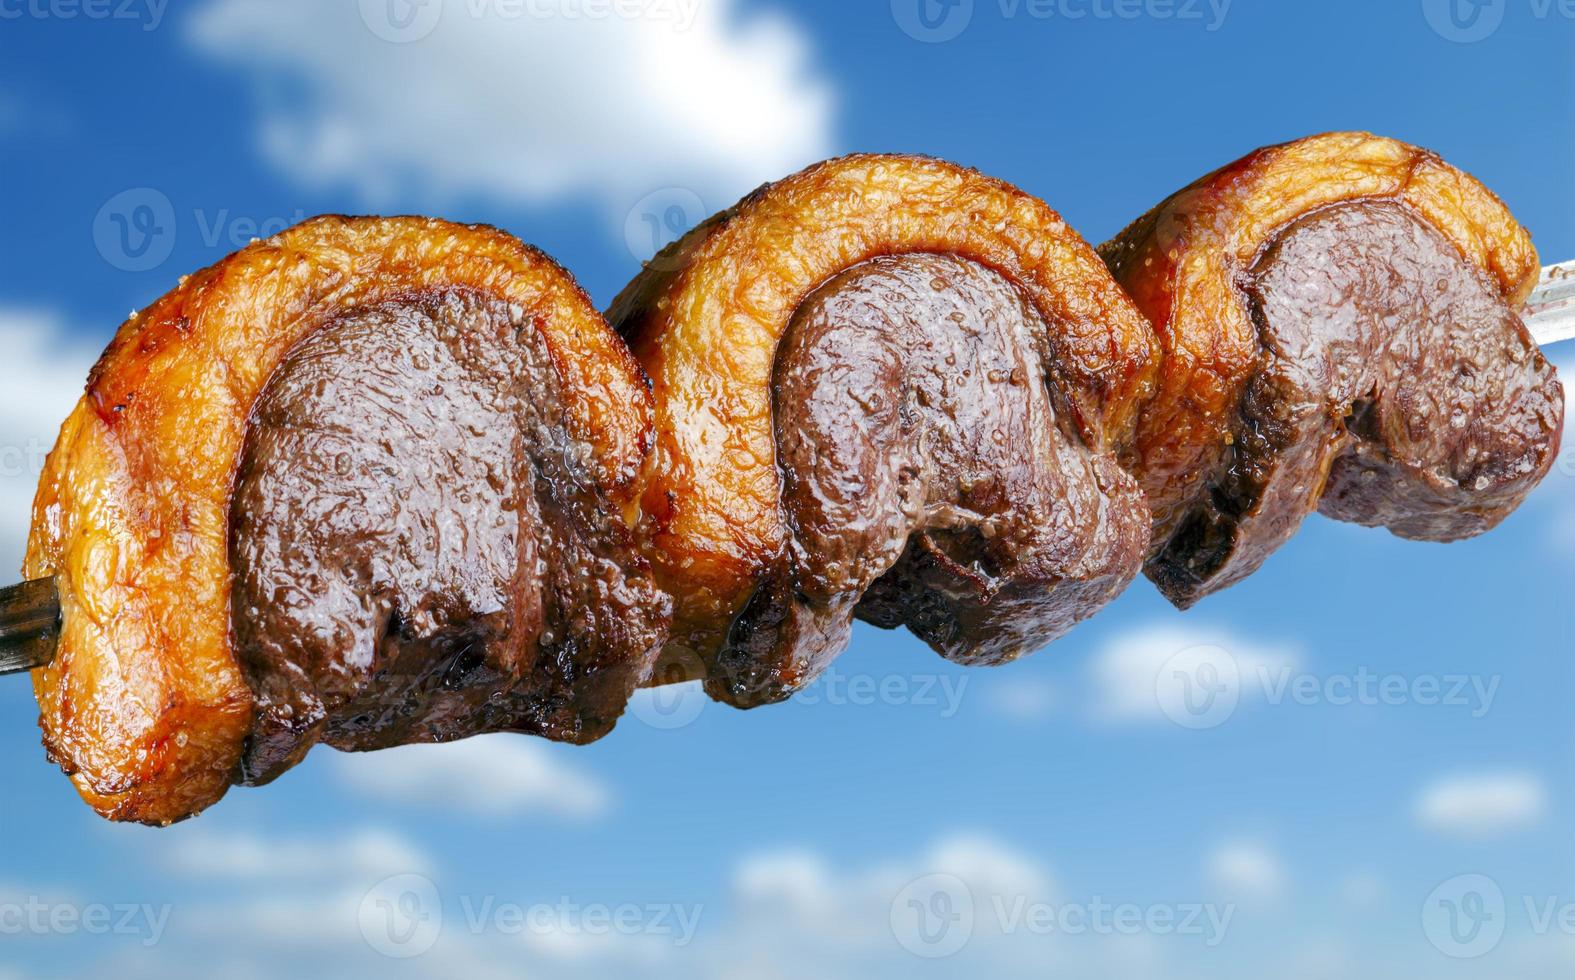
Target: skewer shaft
[(1550, 312), (29, 624)]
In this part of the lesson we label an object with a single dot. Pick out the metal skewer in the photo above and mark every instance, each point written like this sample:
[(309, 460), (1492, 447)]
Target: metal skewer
[(29, 624), (30, 612), (1550, 312)]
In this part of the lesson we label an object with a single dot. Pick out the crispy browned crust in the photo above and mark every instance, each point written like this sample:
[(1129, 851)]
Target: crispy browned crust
[(145, 706), (705, 317), (1182, 264)]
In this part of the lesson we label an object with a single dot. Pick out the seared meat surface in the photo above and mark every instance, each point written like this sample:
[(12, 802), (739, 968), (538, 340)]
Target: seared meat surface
[(388, 480)]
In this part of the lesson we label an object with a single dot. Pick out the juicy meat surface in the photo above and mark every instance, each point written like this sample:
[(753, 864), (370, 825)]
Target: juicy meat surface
[(706, 319), (418, 550), (1395, 387), (1229, 471), (146, 705), (930, 479)]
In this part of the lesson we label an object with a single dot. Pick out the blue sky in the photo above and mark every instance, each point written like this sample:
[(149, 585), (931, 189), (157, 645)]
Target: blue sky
[(1400, 745)]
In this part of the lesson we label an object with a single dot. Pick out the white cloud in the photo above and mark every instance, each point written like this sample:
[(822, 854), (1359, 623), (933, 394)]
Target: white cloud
[(1135, 674), (491, 775), (42, 375), (792, 913), (531, 101), (799, 891), (1483, 805), (968, 906), (798, 913), (1246, 869), (367, 852), (1023, 699)]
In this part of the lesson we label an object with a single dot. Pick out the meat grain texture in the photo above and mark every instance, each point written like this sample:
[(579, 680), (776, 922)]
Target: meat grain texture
[(376, 481)]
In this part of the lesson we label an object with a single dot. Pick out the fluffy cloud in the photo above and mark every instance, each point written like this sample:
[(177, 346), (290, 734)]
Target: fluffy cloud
[(1023, 700), (40, 381), (803, 891), (493, 775), (1246, 870), (1152, 673), (530, 101), (1483, 805), (970, 905), (367, 852), (992, 911)]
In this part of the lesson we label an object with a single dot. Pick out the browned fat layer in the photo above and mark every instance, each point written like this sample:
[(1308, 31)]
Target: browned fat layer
[(1394, 388), (931, 478), (417, 549)]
